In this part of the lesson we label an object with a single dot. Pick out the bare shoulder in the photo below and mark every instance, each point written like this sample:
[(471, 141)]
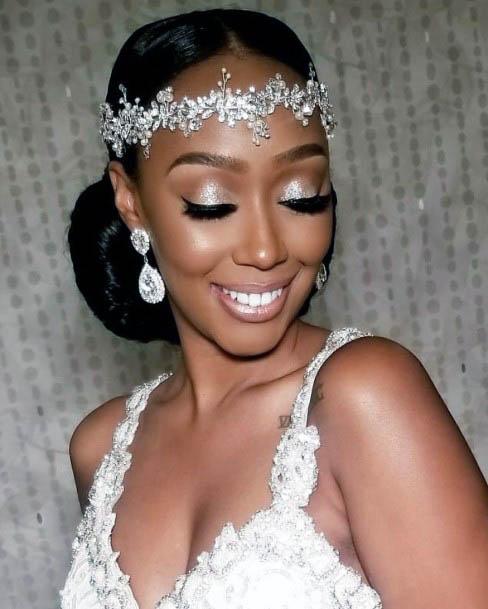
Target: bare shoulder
[(407, 475), (365, 356), (91, 440), (375, 387)]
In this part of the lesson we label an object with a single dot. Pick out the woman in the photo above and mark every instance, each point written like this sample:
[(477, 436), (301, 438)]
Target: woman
[(258, 476)]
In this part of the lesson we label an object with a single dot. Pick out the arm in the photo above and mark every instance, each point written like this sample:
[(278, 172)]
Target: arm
[(91, 440), (416, 499)]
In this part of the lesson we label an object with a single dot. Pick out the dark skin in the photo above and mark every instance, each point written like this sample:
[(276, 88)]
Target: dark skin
[(406, 507)]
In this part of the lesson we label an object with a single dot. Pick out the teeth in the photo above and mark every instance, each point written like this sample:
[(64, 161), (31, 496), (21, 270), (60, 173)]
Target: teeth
[(253, 299), (242, 298)]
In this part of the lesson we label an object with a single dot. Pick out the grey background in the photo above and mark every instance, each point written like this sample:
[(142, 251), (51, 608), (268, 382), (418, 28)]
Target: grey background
[(410, 162)]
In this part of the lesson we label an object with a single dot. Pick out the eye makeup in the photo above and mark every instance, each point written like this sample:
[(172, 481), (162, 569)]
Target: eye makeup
[(210, 194), (295, 197), (207, 212), (296, 190), (310, 205)]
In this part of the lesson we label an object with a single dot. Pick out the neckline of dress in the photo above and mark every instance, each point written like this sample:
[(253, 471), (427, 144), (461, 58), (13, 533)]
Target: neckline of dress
[(123, 578)]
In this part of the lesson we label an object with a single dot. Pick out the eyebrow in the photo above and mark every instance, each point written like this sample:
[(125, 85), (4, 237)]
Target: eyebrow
[(238, 165)]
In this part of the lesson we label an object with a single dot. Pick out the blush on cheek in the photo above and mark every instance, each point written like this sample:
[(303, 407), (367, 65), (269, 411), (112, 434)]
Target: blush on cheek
[(309, 245), (189, 261)]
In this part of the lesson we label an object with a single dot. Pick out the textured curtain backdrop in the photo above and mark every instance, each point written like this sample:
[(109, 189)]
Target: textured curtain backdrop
[(410, 164)]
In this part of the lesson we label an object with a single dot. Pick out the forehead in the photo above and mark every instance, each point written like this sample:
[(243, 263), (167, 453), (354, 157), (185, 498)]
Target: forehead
[(221, 139)]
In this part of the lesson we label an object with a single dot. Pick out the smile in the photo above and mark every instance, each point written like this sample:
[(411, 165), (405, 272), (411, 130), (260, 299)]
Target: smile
[(254, 299), (252, 306)]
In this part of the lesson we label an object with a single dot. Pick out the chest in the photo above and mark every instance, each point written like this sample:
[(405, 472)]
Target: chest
[(176, 500)]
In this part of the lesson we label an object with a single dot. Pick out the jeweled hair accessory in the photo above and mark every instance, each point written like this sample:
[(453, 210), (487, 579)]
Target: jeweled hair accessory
[(134, 123)]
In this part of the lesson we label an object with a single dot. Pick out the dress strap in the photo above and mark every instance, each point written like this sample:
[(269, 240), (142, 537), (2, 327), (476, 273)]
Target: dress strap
[(336, 339), (135, 404), (294, 473), (107, 481)]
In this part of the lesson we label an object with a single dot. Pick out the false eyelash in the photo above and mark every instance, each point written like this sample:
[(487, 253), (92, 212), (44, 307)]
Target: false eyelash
[(207, 212), (310, 205)]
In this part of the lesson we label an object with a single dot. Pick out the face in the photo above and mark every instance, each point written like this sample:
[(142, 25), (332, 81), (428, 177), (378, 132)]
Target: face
[(224, 213)]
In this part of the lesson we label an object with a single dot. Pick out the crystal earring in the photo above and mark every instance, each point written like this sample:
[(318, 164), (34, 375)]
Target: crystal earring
[(321, 277), (151, 285)]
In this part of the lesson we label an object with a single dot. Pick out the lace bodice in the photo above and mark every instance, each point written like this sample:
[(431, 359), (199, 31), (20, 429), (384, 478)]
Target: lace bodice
[(276, 560)]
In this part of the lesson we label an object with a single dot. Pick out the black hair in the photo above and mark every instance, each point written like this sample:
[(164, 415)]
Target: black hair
[(105, 263)]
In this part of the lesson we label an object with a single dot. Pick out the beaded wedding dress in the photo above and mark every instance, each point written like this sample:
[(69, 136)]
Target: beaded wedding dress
[(276, 560)]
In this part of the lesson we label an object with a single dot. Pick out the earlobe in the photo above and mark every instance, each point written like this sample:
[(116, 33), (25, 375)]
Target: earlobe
[(125, 208)]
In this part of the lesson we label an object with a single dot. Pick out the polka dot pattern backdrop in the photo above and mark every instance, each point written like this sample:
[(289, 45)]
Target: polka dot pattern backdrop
[(410, 166)]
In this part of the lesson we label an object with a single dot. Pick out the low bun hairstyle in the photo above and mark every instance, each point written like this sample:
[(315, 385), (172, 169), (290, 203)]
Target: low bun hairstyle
[(107, 269), (106, 265)]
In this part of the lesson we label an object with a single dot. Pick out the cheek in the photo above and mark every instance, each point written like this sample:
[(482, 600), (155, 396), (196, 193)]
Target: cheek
[(309, 238), (193, 248), (187, 246), (181, 245)]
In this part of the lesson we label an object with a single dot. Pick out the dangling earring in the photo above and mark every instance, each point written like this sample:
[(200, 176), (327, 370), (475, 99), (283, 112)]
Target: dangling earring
[(151, 285), (321, 277)]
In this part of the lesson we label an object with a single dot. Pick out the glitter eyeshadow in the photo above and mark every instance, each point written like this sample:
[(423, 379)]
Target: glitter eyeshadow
[(211, 194), (295, 190)]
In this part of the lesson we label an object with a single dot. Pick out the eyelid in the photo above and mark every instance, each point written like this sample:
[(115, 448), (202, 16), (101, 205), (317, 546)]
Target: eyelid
[(211, 192), (208, 206), (208, 212), (298, 189), (228, 204), (312, 205)]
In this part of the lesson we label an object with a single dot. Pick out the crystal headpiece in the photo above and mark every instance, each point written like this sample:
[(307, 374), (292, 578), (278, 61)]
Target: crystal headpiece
[(134, 123)]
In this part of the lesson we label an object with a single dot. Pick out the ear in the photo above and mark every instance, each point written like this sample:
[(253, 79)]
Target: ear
[(126, 196)]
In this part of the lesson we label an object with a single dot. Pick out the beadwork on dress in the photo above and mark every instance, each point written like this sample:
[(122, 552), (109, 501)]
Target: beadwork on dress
[(276, 560)]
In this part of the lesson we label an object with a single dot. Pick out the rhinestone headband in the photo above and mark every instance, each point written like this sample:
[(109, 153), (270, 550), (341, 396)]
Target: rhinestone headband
[(134, 123)]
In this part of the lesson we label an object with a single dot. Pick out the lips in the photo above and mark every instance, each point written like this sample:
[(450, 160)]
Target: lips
[(255, 288), (248, 313)]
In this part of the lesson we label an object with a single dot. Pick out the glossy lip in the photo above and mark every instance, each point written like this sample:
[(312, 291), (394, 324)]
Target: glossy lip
[(243, 312), (255, 288)]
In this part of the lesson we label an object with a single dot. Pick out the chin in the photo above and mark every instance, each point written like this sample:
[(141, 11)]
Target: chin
[(249, 342)]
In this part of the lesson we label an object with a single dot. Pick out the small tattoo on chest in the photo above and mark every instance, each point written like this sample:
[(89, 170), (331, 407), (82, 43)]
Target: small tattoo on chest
[(316, 395), (285, 420)]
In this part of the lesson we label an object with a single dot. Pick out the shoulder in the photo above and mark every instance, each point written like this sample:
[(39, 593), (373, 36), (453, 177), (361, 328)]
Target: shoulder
[(366, 355), (406, 473), (374, 386), (91, 440), (372, 368)]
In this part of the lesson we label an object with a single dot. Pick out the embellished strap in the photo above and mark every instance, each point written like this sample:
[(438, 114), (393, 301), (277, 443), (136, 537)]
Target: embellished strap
[(135, 404), (95, 528), (336, 339), (294, 472)]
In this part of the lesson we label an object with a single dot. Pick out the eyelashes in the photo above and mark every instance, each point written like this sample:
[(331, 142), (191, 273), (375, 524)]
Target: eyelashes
[(310, 205), (207, 212)]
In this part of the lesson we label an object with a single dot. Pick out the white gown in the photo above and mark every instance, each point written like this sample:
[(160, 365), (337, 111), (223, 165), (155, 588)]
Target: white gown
[(276, 560)]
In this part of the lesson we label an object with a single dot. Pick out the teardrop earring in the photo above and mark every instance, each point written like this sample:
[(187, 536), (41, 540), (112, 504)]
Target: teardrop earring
[(321, 277), (151, 285)]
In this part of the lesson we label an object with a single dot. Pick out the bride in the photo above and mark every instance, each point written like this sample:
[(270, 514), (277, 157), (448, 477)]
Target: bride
[(281, 464)]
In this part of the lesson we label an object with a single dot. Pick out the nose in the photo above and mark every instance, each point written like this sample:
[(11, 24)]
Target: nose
[(261, 242)]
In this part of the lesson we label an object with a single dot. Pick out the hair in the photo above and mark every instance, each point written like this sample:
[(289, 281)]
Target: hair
[(106, 266)]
